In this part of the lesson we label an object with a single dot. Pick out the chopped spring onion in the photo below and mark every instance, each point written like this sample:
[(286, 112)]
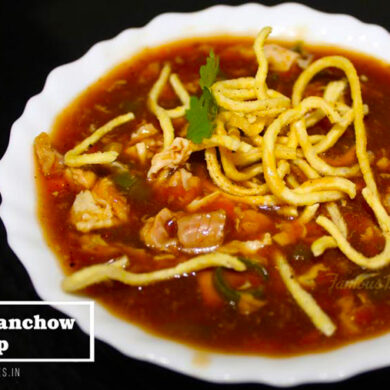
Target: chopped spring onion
[(258, 268), (232, 295)]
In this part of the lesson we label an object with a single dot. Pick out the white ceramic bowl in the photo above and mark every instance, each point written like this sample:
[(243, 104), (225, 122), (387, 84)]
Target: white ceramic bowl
[(63, 84)]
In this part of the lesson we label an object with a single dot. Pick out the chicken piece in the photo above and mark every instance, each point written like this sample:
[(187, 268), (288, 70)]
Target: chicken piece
[(80, 178), (144, 131), (143, 151), (106, 190), (139, 152), (144, 143), (183, 178), (102, 207), (155, 234), (190, 233), (88, 213), (203, 232), (252, 223), (179, 188), (49, 159), (279, 58), (172, 157), (95, 245)]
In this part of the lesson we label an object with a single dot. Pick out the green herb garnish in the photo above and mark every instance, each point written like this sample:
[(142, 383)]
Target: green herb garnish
[(228, 293), (258, 268), (209, 72), (200, 116), (124, 180), (132, 186), (203, 110)]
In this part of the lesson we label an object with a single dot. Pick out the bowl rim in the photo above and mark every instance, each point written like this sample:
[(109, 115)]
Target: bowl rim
[(25, 237)]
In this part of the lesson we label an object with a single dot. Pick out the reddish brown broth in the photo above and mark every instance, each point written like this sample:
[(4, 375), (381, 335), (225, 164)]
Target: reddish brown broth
[(175, 308)]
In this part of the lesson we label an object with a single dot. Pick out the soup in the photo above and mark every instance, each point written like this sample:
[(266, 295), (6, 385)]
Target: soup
[(228, 193)]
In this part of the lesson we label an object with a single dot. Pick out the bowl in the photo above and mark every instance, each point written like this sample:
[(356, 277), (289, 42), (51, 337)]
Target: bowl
[(25, 236)]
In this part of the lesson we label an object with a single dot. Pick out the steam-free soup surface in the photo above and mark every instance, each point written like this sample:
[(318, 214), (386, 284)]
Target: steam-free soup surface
[(191, 308)]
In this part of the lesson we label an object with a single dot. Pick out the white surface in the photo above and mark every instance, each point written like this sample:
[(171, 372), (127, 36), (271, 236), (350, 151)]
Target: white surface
[(18, 209)]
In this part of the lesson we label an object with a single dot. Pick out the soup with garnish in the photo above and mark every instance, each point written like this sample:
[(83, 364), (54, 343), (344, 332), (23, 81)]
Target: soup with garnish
[(228, 193)]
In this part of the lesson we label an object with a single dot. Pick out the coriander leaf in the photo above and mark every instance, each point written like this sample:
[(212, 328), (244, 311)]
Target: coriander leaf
[(208, 101), (198, 118), (209, 72), (202, 111)]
